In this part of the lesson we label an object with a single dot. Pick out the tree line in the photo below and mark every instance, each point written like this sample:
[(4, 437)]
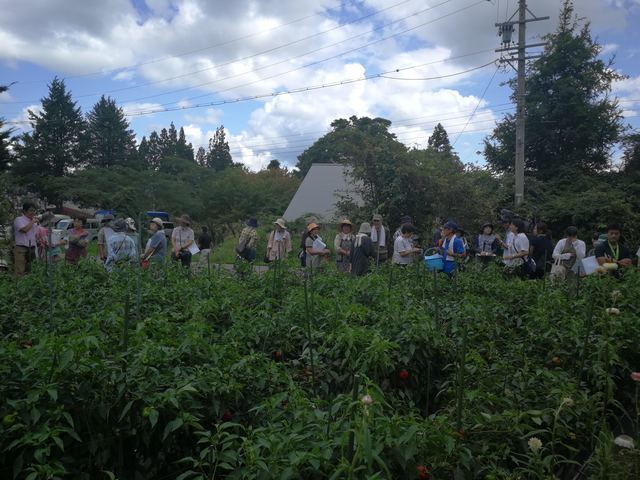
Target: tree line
[(574, 128)]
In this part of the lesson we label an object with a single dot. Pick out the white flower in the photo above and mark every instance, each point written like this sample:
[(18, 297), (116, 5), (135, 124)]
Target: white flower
[(615, 295), (568, 401), (624, 441), (535, 444), (366, 400), (613, 311)]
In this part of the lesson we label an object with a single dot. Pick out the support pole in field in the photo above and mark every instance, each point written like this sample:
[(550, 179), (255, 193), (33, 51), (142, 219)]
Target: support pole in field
[(307, 313), (505, 30), (49, 267), (139, 269)]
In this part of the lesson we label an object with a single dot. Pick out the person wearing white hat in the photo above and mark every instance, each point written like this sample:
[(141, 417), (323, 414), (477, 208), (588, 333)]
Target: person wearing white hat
[(156, 248), (343, 244), (279, 242)]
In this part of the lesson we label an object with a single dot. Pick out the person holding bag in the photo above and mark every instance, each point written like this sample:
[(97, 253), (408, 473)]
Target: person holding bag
[(182, 238), (568, 255), (279, 242), (248, 240)]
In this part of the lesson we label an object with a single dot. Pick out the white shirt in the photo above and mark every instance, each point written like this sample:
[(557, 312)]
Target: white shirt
[(520, 243), (578, 245), (402, 244)]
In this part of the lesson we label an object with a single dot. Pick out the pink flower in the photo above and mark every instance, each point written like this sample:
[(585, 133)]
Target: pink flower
[(635, 376)]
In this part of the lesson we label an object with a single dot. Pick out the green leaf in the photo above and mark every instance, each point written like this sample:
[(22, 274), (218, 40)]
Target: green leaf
[(153, 417), (53, 393), (126, 409), (185, 475), (69, 419), (172, 426), (65, 358), (59, 443)]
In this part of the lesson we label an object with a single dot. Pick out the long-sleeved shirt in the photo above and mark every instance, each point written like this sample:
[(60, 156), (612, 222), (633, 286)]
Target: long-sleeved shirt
[(579, 247)]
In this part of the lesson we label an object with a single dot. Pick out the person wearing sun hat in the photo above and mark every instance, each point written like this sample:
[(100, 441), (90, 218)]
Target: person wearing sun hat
[(343, 244), (279, 242), (122, 249), (181, 239), (315, 247), (156, 248), (248, 241)]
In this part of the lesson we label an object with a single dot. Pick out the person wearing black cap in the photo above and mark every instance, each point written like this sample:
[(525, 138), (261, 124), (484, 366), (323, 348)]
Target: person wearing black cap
[(452, 247)]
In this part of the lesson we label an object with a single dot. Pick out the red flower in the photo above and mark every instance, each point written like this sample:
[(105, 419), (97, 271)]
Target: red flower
[(403, 374), (635, 376), (227, 416), (423, 472)]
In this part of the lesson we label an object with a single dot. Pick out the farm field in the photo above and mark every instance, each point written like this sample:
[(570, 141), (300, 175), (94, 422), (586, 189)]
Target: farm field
[(396, 375)]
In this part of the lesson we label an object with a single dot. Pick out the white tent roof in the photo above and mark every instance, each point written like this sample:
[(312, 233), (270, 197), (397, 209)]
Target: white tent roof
[(323, 186)]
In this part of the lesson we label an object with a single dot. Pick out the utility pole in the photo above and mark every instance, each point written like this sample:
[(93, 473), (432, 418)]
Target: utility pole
[(505, 30)]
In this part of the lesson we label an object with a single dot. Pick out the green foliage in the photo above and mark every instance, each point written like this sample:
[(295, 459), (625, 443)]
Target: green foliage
[(631, 155), (6, 140), (218, 156), (571, 123), (439, 141), (57, 144), (210, 376), (110, 140)]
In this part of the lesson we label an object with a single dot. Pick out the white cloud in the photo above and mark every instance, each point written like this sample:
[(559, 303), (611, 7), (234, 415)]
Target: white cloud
[(210, 116), (140, 108), (125, 75)]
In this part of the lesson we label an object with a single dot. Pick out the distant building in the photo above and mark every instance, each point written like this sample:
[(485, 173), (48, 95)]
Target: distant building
[(323, 187)]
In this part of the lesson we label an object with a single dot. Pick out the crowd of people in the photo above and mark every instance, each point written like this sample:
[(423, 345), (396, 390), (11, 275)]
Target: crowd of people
[(532, 255), (529, 254)]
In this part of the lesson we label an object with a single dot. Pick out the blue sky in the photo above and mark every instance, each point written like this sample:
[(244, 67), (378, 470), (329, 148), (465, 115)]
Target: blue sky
[(151, 55)]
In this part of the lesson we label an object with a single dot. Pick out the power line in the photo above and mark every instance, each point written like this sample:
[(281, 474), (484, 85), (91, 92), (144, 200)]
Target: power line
[(478, 105), (183, 54), (279, 146), (395, 123), (284, 92), (317, 62), (263, 52)]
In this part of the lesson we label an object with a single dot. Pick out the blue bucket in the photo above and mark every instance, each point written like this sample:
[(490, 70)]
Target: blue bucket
[(434, 262)]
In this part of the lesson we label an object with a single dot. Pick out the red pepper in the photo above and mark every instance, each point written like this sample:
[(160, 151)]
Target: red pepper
[(227, 416), (423, 472), (403, 374)]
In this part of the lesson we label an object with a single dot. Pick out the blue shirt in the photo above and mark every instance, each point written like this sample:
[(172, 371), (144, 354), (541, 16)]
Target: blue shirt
[(458, 247)]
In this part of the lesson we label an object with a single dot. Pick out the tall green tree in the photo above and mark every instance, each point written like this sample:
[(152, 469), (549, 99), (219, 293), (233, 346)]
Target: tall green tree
[(6, 139), (631, 155), (274, 165), (439, 141), (110, 139), (57, 143), (150, 151), (571, 122), (183, 149), (377, 160), (219, 154), (201, 157)]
